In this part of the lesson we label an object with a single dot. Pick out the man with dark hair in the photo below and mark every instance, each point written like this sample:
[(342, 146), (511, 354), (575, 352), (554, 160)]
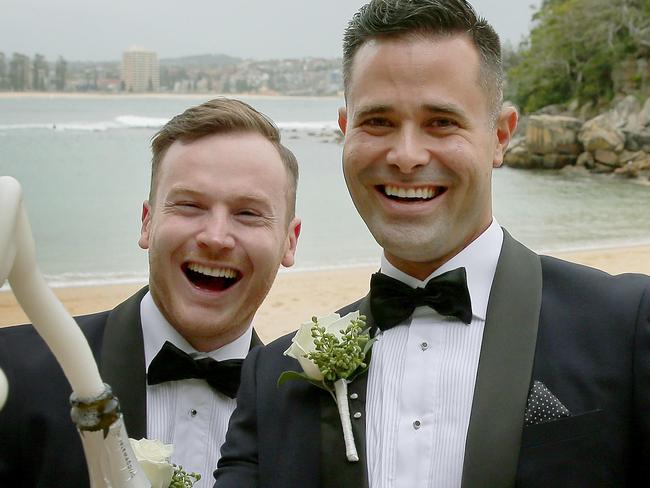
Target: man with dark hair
[(218, 223), (493, 367)]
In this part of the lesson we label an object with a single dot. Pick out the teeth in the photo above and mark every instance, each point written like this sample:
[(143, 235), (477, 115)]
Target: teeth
[(214, 272), (424, 193)]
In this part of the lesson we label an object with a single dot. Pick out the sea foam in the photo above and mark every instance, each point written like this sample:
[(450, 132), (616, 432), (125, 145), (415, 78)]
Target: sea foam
[(141, 122)]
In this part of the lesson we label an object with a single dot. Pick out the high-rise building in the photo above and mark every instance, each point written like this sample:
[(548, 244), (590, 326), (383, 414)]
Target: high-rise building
[(140, 71)]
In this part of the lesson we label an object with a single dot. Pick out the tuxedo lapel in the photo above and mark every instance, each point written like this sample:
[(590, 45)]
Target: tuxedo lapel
[(122, 363), (255, 340), (505, 366), (336, 470)]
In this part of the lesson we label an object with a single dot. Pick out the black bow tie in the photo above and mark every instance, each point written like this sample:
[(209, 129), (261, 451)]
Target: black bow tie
[(172, 364), (392, 302)]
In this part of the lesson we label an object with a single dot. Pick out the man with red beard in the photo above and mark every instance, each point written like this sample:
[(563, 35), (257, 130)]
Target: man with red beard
[(218, 223)]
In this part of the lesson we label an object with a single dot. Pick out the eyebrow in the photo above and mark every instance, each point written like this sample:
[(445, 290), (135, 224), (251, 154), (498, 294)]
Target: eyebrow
[(373, 110), (447, 108), (252, 197), (182, 190), (437, 108)]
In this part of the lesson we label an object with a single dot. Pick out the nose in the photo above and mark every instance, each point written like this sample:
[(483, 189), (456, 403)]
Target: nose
[(409, 150), (216, 233)]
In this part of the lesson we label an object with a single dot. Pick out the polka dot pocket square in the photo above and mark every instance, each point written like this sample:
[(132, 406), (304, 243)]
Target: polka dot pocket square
[(543, 406)]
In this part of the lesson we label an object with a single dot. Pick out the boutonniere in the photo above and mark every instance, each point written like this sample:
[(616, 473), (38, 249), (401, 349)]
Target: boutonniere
[(154, 458), (332, 351)]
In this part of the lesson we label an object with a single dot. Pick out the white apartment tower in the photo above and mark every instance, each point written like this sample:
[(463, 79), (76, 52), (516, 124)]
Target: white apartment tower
[(140, 71)]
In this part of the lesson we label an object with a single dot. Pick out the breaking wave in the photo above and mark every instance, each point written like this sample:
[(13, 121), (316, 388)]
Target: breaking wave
[(140, 122)]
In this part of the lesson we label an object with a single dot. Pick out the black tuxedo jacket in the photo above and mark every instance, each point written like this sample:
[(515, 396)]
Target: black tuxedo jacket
[(39, 445), (581, 332)]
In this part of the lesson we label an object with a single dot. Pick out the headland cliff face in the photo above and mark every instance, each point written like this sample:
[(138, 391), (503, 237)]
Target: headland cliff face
[(615, 141)]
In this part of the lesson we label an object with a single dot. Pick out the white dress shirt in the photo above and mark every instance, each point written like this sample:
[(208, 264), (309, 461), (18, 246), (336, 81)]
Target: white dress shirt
[(421, 380), (188, 414)]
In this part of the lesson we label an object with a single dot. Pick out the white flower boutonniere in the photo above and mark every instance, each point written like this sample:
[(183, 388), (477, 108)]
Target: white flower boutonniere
[(332, 352), (154, 458)]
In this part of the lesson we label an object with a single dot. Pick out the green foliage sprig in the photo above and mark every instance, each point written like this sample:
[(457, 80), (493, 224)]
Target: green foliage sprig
[(340, 358), (181, 479)]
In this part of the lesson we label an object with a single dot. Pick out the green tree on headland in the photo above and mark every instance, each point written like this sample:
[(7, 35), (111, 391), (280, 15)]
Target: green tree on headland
[(574, 49)]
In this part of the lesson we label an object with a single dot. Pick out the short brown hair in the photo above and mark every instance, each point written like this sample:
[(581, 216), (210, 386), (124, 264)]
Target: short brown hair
[(219, 116), (381, 19)]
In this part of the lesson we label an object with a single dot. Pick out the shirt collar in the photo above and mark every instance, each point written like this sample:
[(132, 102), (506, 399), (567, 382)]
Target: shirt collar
[(479, 259), (156, 330)]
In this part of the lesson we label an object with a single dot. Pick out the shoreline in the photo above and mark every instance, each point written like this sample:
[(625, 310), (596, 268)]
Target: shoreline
[(298, 294), (160, 95)]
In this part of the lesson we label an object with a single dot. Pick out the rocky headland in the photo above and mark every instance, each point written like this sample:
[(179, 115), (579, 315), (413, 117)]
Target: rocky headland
[(616, 141)]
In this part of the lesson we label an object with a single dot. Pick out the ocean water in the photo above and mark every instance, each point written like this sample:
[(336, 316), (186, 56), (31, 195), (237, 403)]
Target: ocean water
[(84, 166)]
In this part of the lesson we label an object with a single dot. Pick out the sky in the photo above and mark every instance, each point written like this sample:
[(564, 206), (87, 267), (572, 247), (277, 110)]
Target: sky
[(92, 30)]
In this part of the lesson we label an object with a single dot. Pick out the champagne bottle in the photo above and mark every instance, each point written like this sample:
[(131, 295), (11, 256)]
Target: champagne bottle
[(110, 458), (95, 410)]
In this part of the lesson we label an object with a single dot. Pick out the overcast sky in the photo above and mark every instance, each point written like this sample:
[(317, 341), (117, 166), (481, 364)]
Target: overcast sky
[(261, 29)]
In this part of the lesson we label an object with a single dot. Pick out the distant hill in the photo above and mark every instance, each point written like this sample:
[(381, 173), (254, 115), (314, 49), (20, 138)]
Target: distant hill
[(201, 60)]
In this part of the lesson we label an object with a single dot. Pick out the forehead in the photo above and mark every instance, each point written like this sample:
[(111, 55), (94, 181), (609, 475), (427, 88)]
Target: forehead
[(223, 164), (395, 70)]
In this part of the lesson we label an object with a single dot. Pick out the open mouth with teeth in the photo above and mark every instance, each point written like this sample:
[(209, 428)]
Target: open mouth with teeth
[(211, 279), (421, 194)]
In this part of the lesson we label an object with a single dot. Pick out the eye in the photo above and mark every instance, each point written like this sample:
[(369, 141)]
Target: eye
[(377, 122), (443, 123), (249, 215), (187, 205), (184, 207)]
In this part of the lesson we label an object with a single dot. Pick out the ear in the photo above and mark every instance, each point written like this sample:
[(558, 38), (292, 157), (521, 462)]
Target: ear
[(143, 242), (343, 119), (505, 128), (292, 243)]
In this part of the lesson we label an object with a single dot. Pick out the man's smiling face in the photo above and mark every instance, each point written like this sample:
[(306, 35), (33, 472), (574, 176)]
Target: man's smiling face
[(420, 147), (217, 233)]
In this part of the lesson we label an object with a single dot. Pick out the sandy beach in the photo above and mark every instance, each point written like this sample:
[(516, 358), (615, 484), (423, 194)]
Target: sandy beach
[(296, 296)]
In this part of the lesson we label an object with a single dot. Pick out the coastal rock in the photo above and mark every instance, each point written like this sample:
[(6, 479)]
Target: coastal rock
[(644, 115), (575, 170), (600, 133), (626, 112), (605, 157), (587, 111), (627, 156), (554, 109), (553, 134), (637, 140), (518, 155), (639, 166), (550, 161), (522, 124), (585, 159)]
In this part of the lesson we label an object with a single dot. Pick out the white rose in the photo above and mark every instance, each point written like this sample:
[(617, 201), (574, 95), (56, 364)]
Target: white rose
[(303, 342), (154, 458)]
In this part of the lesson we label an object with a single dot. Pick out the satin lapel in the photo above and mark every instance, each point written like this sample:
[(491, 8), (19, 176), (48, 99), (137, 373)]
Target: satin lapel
[(336, 470), (255, 340), (122, 363), (505, 368)]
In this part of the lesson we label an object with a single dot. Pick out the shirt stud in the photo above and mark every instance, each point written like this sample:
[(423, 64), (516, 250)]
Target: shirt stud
[(417, 424), (354, 396), (357, 415)]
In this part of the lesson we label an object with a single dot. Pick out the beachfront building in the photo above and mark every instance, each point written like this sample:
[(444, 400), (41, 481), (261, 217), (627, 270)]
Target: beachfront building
[(140, 70)]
